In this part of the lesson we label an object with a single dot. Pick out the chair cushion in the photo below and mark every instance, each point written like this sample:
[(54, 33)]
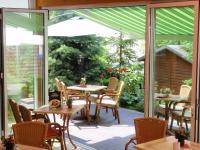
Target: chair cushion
[(79, 102), (187, 114), (108, 101), (94, 95), (52, 132), (177, 107)]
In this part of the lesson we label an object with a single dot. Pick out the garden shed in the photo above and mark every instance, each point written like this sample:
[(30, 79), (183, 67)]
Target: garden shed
[(172, 67)]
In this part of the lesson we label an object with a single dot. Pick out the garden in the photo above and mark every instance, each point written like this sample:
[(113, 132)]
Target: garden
[(72, 58)]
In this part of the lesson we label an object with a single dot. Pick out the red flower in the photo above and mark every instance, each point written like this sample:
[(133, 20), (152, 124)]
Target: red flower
[(110, 69), (120, 70), (125, 69)]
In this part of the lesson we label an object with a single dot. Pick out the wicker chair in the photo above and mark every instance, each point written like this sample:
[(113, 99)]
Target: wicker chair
[(110, 100), (15, 109), (147, 129), (57, 82), (184, 94), (54, 129), (112, 85), (31, 133), (19, 117), (181, 116)]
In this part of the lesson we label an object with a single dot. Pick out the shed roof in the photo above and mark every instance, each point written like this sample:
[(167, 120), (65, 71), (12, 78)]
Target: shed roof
[(178, 50)]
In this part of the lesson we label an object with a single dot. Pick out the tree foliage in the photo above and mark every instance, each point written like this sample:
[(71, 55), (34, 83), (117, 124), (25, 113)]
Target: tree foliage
[(123, 52), (71, 58), (187, 45)]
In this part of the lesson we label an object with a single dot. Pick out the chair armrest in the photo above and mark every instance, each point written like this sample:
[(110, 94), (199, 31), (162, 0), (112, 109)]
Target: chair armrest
[(181, 102), (108, 94), (188, 107), (30, 109), (37, 116)]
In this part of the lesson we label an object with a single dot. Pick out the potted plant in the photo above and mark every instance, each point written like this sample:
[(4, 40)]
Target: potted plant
[(181, 136), (8, 142), (69, 103), (83, 82), (165, 91)]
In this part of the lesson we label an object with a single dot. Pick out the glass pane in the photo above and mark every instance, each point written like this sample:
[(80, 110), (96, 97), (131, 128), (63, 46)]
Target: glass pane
[(173, 51), (24, 59)]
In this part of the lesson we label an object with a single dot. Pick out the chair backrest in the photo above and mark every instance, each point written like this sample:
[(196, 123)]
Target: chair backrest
[(25, 113), (148, 129), (30, 133), (15, 109), (58, 86), (63, 91), (119, 90), (112, 84), (185, 92)]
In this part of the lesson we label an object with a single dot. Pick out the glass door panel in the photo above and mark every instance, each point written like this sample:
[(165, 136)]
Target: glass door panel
[(24, 59), (172, 64)]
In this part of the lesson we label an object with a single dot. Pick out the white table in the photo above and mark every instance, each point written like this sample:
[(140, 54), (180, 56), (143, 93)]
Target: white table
[(87, 89)]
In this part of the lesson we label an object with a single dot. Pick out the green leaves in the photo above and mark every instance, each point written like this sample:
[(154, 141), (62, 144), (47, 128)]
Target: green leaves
[(71, 58)]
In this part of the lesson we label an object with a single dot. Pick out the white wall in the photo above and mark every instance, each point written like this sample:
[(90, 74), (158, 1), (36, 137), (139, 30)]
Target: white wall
[(14, 3)]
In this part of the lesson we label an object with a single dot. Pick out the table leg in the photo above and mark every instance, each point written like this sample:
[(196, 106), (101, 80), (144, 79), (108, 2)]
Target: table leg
[(88, 107), (67, 128), (166, 110), (63, 131)]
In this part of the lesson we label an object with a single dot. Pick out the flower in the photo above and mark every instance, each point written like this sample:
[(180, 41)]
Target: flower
[(8, 142), (125, 69), (110, 69), (165, 91)]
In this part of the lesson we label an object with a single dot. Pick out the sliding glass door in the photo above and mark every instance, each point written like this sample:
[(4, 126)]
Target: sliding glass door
[(173, 55), (23, 60)]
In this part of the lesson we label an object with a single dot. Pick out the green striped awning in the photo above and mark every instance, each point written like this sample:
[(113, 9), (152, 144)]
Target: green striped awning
[(129, 20), (177, 22)]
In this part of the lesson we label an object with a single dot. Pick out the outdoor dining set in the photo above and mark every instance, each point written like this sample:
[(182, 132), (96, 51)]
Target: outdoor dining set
[(28, 121), (38, 124)]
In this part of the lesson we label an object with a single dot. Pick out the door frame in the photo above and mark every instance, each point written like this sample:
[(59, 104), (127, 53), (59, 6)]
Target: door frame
[(150, 50), (4, 98)]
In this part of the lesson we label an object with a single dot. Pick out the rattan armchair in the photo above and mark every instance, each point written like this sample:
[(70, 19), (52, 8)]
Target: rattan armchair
[(31, 133), (184, 94), (54, 129), (15, 109), (147, 129), (112, 85), (57, 82), (181, 116), (110, 100)]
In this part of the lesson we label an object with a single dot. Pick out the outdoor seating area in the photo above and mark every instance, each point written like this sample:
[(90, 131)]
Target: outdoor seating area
[(100, 75), (53, 124)]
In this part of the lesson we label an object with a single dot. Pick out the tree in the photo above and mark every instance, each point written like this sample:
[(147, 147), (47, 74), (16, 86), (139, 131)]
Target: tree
[(71, 58), (187, 45), (124, 53)]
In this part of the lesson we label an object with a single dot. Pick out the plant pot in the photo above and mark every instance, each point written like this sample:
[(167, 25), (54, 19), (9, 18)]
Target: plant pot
[(182, 142), (10, 146), (69, 106)]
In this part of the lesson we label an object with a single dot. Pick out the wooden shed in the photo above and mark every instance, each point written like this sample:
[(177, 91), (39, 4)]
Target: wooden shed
[(172, 67)]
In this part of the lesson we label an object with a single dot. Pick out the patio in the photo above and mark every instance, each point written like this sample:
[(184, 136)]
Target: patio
[(107, 134), (165, 34)]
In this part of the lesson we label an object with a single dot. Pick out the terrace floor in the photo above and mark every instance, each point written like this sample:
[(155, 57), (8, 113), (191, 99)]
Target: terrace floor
[(107, 134)]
